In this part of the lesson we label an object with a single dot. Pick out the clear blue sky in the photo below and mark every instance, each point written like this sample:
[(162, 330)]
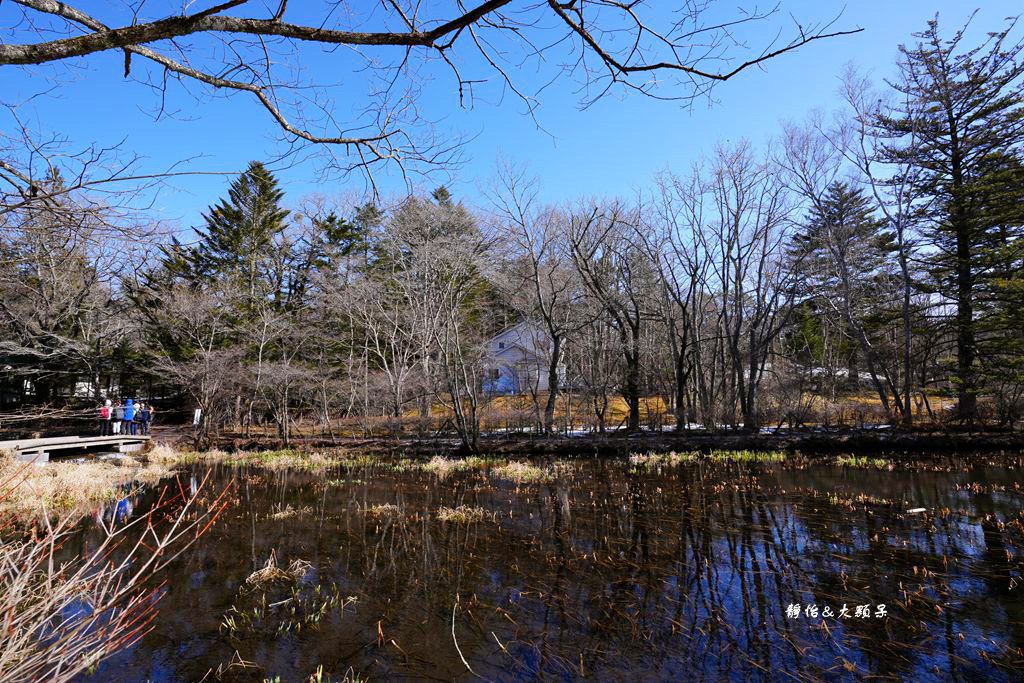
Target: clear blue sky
[(609, 149)]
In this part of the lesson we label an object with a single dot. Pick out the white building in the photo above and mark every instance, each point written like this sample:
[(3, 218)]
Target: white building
[(517, 360)]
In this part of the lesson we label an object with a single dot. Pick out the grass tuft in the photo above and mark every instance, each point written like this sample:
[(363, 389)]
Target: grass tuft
[(463, 514), (288, 512), (864, 461), (523, 472), (384, 510), (747, 456), (654, 460), (69, 488)]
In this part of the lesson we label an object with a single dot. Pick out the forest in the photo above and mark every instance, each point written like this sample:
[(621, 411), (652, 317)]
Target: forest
[(863, 267)]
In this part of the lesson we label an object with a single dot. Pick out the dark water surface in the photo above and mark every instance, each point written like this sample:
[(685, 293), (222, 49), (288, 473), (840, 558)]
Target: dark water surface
[(700, 571)]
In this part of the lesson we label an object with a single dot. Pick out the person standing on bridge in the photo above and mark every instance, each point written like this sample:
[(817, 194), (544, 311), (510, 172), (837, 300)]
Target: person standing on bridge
[(129, 417), (105, 419), (143, 415), (117, 416)]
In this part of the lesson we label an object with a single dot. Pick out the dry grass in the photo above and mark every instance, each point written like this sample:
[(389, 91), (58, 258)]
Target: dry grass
[(69, 489), (163, 452), (523, 472), (747, 456), (655, 460), (288, 512), (442, 466), (384, 510), (273, 459), (463, 514), (271, 573)]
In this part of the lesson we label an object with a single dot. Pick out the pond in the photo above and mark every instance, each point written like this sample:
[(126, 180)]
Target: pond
[(599, 569)]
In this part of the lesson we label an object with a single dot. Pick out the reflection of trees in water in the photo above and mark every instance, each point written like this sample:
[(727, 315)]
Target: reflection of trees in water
[(680, 573)]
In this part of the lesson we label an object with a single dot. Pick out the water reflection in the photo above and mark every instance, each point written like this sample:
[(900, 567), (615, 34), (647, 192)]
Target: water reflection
[(607, 572), (119, 510)]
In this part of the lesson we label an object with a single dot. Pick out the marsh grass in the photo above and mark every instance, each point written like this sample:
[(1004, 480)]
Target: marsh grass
[(384, 510), (523, 472), (68, 489), (746, 456), (288, 512), (279, 459), (863, 461), (272, 603), (337, 483), (463, 514), (443, 467), (270, 573), (319, 676), (654, 460)]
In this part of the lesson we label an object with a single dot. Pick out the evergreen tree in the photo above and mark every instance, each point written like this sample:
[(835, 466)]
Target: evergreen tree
[(960, 113), (999, 300), (242, 231), (840, 227), (840, 251)]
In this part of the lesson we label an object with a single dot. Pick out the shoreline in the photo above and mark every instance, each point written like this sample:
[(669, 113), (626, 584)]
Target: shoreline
[(854, 441)]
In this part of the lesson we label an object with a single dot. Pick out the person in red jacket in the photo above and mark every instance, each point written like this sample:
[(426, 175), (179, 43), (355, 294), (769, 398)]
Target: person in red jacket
[(105, 428)]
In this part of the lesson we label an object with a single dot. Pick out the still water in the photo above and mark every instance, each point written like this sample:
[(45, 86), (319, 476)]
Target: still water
[(606, 571)]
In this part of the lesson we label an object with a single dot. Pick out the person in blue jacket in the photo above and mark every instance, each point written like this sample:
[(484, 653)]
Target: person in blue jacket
[(129, 416)]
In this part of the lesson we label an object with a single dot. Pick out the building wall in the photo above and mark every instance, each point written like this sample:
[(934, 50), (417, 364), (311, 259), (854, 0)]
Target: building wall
[(518, 361)]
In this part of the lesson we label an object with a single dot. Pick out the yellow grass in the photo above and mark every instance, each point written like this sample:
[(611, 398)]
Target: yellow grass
[(521, 411), (288, 511), (384, 510), (462, 514), (65, 488), (274, 459), (442, 466), (521, 472)]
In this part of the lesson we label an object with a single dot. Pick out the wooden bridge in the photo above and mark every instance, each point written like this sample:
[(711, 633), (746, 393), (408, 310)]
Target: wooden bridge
[(39, 450)]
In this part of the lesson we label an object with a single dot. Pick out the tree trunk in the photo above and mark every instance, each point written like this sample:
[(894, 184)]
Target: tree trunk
[(967, 400), (681, 394), (549, 408), (631, 390)]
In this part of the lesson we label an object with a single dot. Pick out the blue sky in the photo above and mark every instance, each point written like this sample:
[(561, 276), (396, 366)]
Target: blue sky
[(610, 149)]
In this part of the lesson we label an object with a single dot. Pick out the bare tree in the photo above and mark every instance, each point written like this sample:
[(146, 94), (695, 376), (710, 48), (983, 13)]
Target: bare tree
[(670, 222), (594, 362), (458, 343), (899, 198), (194, 334), (748, 274), (221, 50), (620, 278), (58, 270), (542, 287)]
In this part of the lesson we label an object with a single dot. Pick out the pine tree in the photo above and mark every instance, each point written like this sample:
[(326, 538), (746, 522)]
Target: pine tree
[(841, 247), (999, 299), (961, 112), (840, 226), (241, 231)]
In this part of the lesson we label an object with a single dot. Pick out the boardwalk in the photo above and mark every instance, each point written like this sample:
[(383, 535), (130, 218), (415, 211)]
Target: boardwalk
[(39, 450)]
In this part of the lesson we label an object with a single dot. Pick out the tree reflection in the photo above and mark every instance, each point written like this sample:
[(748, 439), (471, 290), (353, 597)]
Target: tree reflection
[(612, 572)]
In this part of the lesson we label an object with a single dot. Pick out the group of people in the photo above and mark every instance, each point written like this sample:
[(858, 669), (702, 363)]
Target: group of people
[(129, 418)]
